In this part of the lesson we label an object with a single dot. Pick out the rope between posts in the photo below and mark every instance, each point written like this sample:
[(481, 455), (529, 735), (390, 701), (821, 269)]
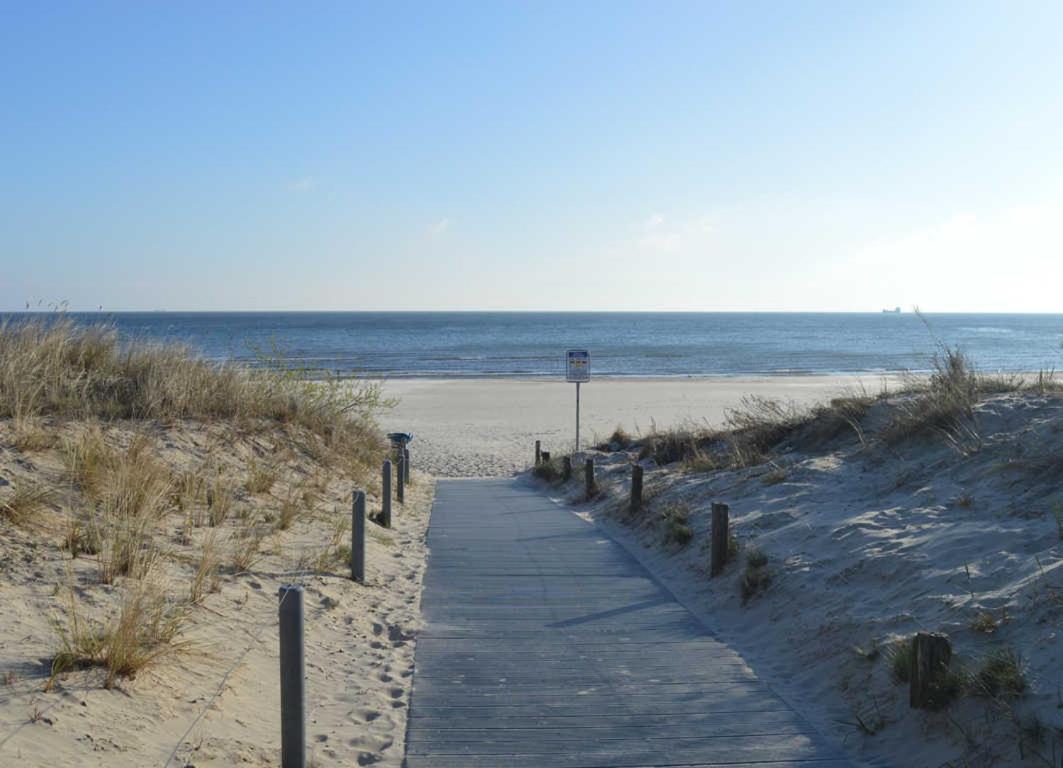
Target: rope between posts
[(301, 581)]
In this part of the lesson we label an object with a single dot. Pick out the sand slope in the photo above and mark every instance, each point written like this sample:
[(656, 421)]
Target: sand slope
[(867, 545), (359, 638)]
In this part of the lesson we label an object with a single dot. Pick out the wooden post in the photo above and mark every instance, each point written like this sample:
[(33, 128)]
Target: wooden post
[(931, 654), (545, 456), (720, 535), (538, 453), (293, 678), (400, 486), (636, 487), (566, 468), (385, 489), (406, 465), (358, 537), (588, 478)]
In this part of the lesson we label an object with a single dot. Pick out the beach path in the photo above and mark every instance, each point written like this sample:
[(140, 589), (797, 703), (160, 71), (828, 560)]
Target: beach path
[(547, 645)]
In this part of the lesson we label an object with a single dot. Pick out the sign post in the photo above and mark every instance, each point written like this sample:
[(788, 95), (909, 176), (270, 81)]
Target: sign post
[(577, 370)]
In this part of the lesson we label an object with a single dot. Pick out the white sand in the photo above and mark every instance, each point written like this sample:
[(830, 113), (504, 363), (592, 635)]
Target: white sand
[(479, 427)]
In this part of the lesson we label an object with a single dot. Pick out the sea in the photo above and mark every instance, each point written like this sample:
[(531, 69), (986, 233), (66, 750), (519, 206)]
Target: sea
[(621, 344)]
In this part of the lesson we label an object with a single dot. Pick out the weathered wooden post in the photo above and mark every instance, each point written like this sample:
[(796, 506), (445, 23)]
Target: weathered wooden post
[(636, 487), (385, 491), (566, 468), (720, 535), (588, 478), (931, 655), (538, 453), (293, 679), (358, 537), (406, 465), (400, 486), (545, 456)]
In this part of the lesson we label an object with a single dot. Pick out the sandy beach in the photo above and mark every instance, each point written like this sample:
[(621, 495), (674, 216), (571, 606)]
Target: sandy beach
[(483, 427)]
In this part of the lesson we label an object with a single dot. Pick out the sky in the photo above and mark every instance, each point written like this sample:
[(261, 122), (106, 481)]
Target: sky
[(838, 156)]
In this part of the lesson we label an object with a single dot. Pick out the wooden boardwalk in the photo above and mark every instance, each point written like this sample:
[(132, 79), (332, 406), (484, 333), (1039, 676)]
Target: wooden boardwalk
[(546, 645)]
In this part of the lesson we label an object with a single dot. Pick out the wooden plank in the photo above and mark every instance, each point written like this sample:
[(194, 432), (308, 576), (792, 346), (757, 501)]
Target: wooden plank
[(547, 645)]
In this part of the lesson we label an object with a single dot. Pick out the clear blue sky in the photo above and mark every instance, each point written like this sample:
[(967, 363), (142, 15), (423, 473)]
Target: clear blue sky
[(698, 156)]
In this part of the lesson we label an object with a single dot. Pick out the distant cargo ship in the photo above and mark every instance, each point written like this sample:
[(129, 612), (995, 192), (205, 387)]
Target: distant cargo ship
[(894, 311)]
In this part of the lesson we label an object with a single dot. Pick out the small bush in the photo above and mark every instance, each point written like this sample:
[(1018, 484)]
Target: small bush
[(1001, 674)]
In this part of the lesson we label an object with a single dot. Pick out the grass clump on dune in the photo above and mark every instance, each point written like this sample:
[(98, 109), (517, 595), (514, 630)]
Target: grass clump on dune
[(143, 632), (24, 501), (55, 367), (756, 578)]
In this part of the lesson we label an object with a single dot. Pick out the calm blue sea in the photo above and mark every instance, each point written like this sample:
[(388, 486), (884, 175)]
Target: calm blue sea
[(621, 344)]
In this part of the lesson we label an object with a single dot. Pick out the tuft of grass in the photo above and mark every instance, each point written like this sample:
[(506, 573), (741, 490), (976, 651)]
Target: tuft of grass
[(700, 462), (260, 477), (775, 476), (245, 551), (290, 511), (1000, 674), (984, 622), (548, 471), (756, 577), (134, 495), (25, 500), (620, 438), (87, 457), (143, 632), (219, 499), (670, 446), (206, 576), (944, 403), (81, 538), (899, 654), (30, 437)]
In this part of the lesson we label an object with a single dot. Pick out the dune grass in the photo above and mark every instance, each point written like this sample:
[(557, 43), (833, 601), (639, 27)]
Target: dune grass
[(24, 501), (104, 407), (143, 631), (54, 367)]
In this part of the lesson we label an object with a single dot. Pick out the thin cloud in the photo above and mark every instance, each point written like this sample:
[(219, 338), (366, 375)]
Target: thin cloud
[(304, 184), (440, 227)]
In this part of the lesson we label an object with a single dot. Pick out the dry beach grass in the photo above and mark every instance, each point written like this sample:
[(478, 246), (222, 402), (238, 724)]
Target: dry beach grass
[(150, 505)]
